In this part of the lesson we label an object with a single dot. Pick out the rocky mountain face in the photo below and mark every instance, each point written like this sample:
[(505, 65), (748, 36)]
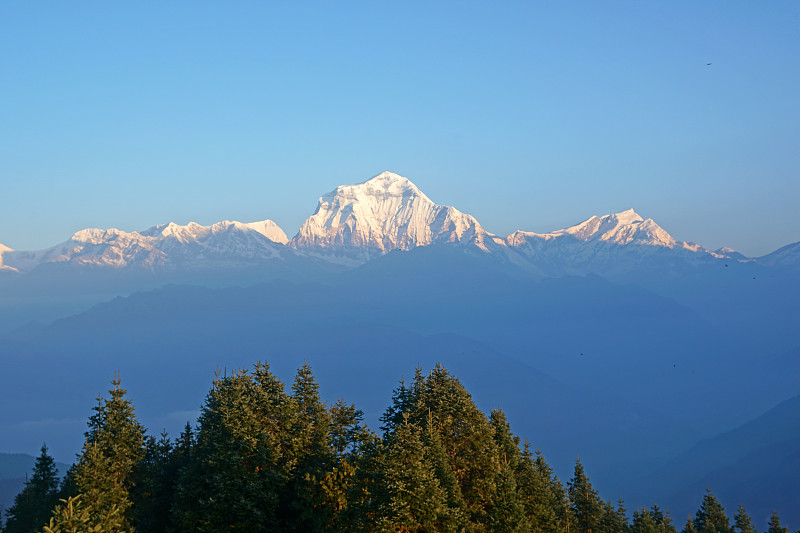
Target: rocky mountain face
[(385, 213)]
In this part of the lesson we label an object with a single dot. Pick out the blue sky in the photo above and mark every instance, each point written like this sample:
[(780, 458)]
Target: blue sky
[(529, 115)]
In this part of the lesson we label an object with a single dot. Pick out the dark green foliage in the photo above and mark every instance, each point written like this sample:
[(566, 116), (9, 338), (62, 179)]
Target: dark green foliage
[(711, 518), (507, 511), (541, 492), (154, 494), (614, 519), (653, 520), (73, 515), (586, 505), (105, 471), (742, 522), (242, 458), (267, 460), (33, 505), (775, 524), (413, 500)]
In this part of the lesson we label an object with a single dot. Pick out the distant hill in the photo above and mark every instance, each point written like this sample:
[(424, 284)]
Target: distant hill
[(757, 463)]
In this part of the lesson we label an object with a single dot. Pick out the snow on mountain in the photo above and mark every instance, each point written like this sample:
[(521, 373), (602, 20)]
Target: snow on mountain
[(613, 244), (385, 213), (786, 256), (3, 266), (164, 246), (624, 228)]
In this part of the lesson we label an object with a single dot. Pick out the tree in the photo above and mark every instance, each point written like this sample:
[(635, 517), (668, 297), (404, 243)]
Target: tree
[(711, 518), (33, 505), (541, 493), (240, 464), (586, 506), (742, 521), (466, 436), (653, 520), (114, 446), (506, 512), (414, 500), (73, 516), (614, 519), (775, 524)]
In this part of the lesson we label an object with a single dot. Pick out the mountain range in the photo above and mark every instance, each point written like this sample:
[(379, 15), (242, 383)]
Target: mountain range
[(355, 223), (609, 339)]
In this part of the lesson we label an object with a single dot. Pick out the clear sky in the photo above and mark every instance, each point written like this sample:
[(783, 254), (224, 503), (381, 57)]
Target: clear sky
[(527, 115)]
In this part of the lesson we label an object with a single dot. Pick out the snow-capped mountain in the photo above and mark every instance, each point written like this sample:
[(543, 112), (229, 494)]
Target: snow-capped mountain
[(627, 227), (611, 244), (192, 246), (786, 256), (354, 223)]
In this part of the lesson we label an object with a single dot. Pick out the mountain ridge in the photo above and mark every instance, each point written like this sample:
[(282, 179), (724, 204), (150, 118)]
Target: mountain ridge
[(353, 224)]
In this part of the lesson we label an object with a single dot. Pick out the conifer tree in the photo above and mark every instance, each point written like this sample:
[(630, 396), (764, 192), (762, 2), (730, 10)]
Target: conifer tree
[(506, 512), (456, 514), (414, 500), (711, 518), (32, 506), (689, 526), (313, 498), (541, 493), (614, 519), (153, 495), (465, 433), (74, 516), (742, 521), (643, 522), (104, 473), (242, 458), (775, 524), (586, 506)]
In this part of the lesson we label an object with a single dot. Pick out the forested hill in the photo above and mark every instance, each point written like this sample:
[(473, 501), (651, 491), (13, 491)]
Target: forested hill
[(264, 458)]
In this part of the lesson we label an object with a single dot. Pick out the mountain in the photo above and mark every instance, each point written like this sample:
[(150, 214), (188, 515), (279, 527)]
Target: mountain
[(169, 246), (613, 245), (787, 256), (354, 223), (757, 462)]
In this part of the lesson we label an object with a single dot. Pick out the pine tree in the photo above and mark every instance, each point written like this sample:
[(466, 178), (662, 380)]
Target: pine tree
[(541, 493), (153, 495), (241, 461), (614, 519), (104, 473), (33, 505), (775, 524), (74, 516), (689, 527), (586, 506), (311, 506), (643, 522), (465, 434), (506, 511), (711, 518), (414, 500), (742, 521), (456, 514)]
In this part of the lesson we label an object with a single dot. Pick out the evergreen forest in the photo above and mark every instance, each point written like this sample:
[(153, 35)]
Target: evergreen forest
[(264, 457)]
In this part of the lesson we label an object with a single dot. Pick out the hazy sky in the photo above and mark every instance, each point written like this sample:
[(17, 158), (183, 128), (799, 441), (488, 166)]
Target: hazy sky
[(528, 115)]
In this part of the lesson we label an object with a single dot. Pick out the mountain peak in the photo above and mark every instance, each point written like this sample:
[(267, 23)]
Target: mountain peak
[(384, 213), (629, 216), (384, 185)]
